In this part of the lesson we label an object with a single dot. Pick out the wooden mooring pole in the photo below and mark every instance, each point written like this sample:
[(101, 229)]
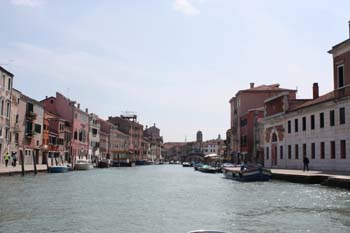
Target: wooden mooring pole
[(22, 161), (34, 161)]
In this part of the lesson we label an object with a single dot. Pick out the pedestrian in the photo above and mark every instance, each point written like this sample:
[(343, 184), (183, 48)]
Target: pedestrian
[(306, 163), (6, 158), (14, 159)]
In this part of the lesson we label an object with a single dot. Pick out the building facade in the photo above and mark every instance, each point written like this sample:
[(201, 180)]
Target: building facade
[(128, 125), (27, 136), (77, 119), (6, 81), (94, 137), (152, 137), (244, 101), (119, 146), (317, 128)]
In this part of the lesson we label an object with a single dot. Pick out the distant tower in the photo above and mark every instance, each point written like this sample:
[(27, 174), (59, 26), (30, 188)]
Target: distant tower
[(199, 136)]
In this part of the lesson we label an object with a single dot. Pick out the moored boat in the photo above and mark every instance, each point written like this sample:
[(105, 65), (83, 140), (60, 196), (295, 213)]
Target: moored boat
[(83, 164), (208, 169), (58, 169), (186, 164), (104, 163), (248, 173)]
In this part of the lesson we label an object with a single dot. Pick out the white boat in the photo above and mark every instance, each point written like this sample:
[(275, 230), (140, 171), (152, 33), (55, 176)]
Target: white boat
[(83, 164)]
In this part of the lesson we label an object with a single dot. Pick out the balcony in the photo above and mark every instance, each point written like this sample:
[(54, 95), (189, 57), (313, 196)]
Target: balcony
[(29, 134), (31, 115)]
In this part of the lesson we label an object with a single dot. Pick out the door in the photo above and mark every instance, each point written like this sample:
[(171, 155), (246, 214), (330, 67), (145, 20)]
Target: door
[(274, 154)]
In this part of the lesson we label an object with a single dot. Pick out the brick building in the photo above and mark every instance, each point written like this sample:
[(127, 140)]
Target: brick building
[(244, 101), (78, 120), (128, 125)]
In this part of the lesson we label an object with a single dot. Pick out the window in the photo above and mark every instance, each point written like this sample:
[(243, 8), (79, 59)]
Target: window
[(341, 76), (8, 109), (17, 118), (243, 123), (296, 125), (304, 150), (81, 136), (313, 150), (37, 128), (7, 131), (281, 152), (29, 128), (321, 120), (342, 116), (27, 152), (3, 81), (267, 153), (331, 118), (322, 150), (94, 132), (342, 149), (2, 107), (296, 152), (0, 132), (52, 140), (30, 107), (75, 135), (312, 121), (304, 123), (289, 126), (332, 149), (9, 84)]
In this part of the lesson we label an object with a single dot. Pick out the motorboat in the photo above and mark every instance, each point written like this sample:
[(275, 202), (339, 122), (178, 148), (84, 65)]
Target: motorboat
[(83, 164), (186, 164), (252, 172), (197, 165), (208, 169)]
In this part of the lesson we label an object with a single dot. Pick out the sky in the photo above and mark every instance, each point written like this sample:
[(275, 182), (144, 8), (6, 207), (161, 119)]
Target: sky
[(176, 63)]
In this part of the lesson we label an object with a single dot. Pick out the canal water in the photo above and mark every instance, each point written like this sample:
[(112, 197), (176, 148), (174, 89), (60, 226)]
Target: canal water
[(166, 199)]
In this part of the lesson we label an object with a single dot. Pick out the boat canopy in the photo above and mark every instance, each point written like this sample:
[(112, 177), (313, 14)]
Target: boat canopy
[(213, 155)]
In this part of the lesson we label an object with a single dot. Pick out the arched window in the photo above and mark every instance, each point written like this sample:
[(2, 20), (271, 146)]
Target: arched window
[(274, 137)]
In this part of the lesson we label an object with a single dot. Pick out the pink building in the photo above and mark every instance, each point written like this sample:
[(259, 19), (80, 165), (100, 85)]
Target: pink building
[(79, 120)]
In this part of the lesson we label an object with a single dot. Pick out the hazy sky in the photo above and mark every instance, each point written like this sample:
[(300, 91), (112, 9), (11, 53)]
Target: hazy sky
[(174, 62)]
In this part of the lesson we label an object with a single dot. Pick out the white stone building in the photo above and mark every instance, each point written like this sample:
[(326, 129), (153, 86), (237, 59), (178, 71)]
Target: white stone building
[(317, 128), (6, 80), (94, 136)]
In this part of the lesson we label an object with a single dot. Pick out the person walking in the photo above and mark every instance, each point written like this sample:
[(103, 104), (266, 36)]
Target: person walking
[(306, 163), (14, 159), (6, 158)]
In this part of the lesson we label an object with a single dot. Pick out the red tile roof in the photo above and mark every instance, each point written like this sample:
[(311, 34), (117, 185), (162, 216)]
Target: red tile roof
[(326, 97), (272, 87)]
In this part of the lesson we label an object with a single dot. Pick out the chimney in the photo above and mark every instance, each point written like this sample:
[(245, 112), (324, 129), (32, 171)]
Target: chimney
[(46, 97), (349, 29), (251, 85), (315, 91), (86, 110), (78, 106)]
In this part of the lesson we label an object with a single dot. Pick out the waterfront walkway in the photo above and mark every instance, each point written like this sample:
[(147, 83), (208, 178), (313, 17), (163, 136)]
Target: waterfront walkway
[(18, 169), (339, 179)]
